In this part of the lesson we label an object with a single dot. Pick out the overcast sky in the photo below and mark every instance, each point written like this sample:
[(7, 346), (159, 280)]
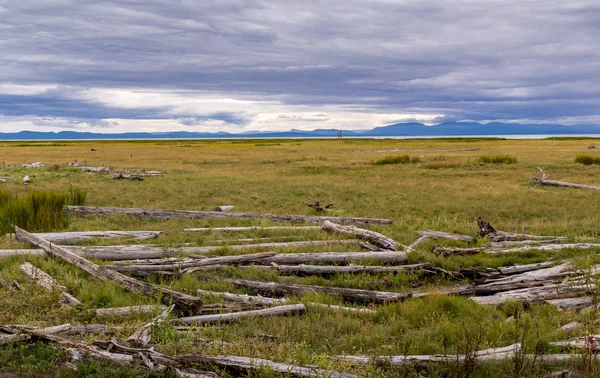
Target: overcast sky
[(144, 65)]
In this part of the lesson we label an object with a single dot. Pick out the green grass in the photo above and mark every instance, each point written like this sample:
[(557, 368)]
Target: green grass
[(399, 159), (587, 159), (497, 159), (38, 210), (446, 191)]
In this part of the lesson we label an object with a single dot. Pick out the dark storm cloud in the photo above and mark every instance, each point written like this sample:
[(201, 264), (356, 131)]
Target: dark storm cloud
[(466, 59)]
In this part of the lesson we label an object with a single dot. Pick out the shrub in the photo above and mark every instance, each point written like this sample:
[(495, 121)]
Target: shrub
[(497, 159), (39, 210), (399, 159), (587, 159)]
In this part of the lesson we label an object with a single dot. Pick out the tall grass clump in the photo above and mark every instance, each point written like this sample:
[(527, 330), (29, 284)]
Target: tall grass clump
[(587, 159), (399, 159), (497, 159), (38, 210)]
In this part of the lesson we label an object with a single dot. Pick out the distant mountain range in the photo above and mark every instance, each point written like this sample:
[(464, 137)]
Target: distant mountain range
[(396, 130)]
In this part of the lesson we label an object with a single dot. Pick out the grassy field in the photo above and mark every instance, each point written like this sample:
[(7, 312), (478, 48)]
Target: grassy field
[(443, 185)]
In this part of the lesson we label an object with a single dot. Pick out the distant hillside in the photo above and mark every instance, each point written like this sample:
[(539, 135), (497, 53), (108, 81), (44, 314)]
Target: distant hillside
[(396, 130)]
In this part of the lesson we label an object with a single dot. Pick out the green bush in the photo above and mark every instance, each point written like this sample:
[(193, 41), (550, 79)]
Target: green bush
[(399, 159), (587, 159), (38, 210), (497, 159)]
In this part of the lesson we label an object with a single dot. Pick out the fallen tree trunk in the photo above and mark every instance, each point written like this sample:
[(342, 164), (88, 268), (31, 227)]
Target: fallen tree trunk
[(371, 236), (517, 269), (252, 228), (350, 295), (449, 251), (189, 265), (543, 180), (430, 234), (243, 365), (44, 280), (128, 311), (536, 294), (182, 301), (324, 270), (168, 214), (224, 318), (487, 230), (76, 237), (243, 297), (336, 258), (342, 308), (546, 247), (572, 303)]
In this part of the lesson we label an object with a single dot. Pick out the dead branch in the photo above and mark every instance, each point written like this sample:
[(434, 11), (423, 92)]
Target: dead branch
[(224, 318), (44, 280), (542, 180), (318, 207), (371, 236)]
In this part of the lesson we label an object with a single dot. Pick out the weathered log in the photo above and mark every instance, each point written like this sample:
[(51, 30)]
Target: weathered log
[(517, 243), (243, 297), (536, 294), (13, 338), (243, 365), (109, 252), (94, 169), (210, 248), (21, 252), (555, 272), (44, 280), (569, 327), (430, 234), (373, 237), (222, 308), (487, 230), (183, 301), (572, 303), (224, 318), (517, 269), (324, 270), (252, 228), (143, 335), (542, 180), (192, 263), (547, 247), (149, 213), (336, 257), (493, 288), (128, 311), (342, 308), (351, 295), (122, 176), (223, 208), (76, 237), (449, 251)]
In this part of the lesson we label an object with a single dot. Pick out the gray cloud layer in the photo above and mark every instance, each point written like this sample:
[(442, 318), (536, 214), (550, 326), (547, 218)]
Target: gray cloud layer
[(467, 59)]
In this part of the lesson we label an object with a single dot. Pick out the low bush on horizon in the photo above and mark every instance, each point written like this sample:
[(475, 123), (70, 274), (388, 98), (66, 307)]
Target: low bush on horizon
[(399, 159), (587, 159), (497, 159), (38, 210)]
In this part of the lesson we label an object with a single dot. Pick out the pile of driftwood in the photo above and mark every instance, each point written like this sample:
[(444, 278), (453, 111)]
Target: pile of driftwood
[(557, 283)]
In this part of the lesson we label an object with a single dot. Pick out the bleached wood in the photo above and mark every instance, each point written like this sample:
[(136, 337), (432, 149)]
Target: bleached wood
[(516, 269), (372, 237), (223, 208), (243, 297), (224, 318), (547, 247), (152, 213), (183, 301), (143, 335), (44, 280), (246, 364), (342, 308), (536, 294), (128, 311), (252, 228), (79, 236), (572, 303), (190, 264), (324, 270), (351, 295), (393, 257)]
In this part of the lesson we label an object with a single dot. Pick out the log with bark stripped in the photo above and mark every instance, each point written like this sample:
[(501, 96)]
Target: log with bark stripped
[(143, 335), (224, 318), (253, 228), (76, 237), (182, 301), (350, 295), (44, 280), (372, 237), (325, 270), (543, 180), (128, 311), (168, 214)]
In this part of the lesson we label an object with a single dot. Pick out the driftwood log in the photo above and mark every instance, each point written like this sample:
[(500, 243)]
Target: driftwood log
[(76, 237), (336, 258), (326, 270), (182, 301), (191, 263), (350, 295), (223, 208), (143, 335), (543, 180), (243, 365), (224, 318), (537, 294), (128, 311), (44, 280), (243, 297), (168, 214), (430, 234), (372, 237), (486, 230), (253, 228)]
